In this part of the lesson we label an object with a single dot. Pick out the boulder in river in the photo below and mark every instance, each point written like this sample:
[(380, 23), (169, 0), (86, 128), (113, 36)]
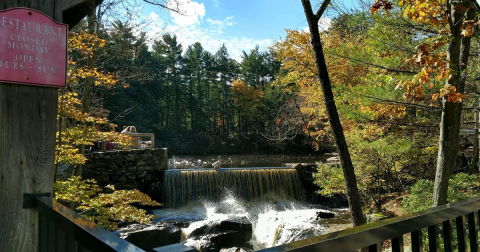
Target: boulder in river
[(209, 236), (148, 237), (325, 215)]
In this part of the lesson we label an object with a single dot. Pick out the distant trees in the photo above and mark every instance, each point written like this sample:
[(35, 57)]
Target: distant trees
[(184, 95)]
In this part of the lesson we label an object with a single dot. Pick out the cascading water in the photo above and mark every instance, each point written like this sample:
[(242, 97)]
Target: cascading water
[(273, 223), (185, 186), (270, 199)]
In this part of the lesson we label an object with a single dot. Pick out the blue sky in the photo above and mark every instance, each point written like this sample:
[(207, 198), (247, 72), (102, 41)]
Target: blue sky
[(240, 24)]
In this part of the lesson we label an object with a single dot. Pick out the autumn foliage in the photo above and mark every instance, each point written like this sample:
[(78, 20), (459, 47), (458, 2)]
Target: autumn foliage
[(106, 209)]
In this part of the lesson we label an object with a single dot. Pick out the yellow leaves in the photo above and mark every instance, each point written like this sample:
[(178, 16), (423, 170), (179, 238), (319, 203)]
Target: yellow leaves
[(104, 208), (428, 12), (85, 132), (84, 43), (86, 72)]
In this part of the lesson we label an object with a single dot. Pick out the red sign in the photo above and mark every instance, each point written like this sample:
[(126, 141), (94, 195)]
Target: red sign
[(33, 48)]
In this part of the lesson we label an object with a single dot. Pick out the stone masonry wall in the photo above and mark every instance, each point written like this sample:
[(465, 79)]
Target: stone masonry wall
[(141, 169)]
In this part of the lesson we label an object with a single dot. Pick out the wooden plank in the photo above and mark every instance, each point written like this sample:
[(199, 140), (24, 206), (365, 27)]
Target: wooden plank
[(27, 152), (71, 243), (42, 232), (460, 226), (473, 231), (60, 240), (447, 236), (433, 238), (51, 235), (375, 247), (397, 244), (417, 243), (82, 248)]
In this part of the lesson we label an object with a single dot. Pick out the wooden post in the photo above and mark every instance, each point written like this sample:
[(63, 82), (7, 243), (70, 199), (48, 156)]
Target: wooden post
[(27, 138)]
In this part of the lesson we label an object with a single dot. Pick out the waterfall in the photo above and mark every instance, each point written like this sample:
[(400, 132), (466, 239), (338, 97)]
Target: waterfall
[(186, 186)]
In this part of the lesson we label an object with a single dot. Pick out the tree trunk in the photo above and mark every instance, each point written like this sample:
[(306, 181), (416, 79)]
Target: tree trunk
[(345, 160), (457, 54), (87, 92)]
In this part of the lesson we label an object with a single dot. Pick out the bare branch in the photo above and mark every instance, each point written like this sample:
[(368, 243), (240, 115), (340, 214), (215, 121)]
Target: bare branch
[(322, 9), (176, 10)]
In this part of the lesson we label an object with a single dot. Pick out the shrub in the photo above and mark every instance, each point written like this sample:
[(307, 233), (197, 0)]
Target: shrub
[(382, 166), (104, 208), (421, 193)]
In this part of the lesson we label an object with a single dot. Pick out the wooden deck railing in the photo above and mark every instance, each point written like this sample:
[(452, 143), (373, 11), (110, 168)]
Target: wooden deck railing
[(61, 229), (439, 221), (143, 140)]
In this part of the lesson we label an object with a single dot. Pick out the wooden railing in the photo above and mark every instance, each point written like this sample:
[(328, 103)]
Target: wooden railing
[(439, 221), (61, 229), (142, 140)]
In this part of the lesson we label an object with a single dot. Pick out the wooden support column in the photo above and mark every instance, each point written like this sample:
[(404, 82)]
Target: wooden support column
[(27, 137)]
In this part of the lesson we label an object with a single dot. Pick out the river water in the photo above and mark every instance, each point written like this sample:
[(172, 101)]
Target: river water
[(273, 223), (234, 161)]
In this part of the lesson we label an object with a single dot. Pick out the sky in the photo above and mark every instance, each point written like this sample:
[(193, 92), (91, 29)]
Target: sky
[(239, 24)]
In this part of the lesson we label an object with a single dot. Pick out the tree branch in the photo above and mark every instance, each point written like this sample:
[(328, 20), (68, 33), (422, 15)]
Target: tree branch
[(403, 103), (154, 2), (322, 9), (371, 64)]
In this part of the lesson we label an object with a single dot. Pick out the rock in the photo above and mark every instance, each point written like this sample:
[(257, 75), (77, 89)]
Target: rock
[(325, 215), (236, 250), (221, 240), (374, 217), (240, 225), (237, 225), (226, 234), (333, 160), (177, 247), (153, 236)]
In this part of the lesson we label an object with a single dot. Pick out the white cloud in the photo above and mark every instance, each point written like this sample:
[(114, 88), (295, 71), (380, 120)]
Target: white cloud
[(191, 12), (220, 24), (216, 3), (211, 39), (153, 16), (193, 28), (323, 24)]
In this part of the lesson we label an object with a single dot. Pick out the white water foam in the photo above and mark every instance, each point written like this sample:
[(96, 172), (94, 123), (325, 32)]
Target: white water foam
[(273, 223)]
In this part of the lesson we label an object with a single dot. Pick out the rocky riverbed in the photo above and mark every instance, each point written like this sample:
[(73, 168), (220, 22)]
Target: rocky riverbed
[(232, 223)]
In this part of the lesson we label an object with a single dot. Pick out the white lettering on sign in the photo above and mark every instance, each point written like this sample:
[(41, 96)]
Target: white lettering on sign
[(33, 48)]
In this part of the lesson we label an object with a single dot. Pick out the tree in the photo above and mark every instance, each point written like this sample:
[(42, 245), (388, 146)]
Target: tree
[(345, 159), (77, 127), (443, 23)]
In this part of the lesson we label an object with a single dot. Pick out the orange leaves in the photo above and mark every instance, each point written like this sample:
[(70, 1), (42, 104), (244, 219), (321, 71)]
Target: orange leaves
[(246, 97), (468, 27), (381, 4), (449, 92)]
